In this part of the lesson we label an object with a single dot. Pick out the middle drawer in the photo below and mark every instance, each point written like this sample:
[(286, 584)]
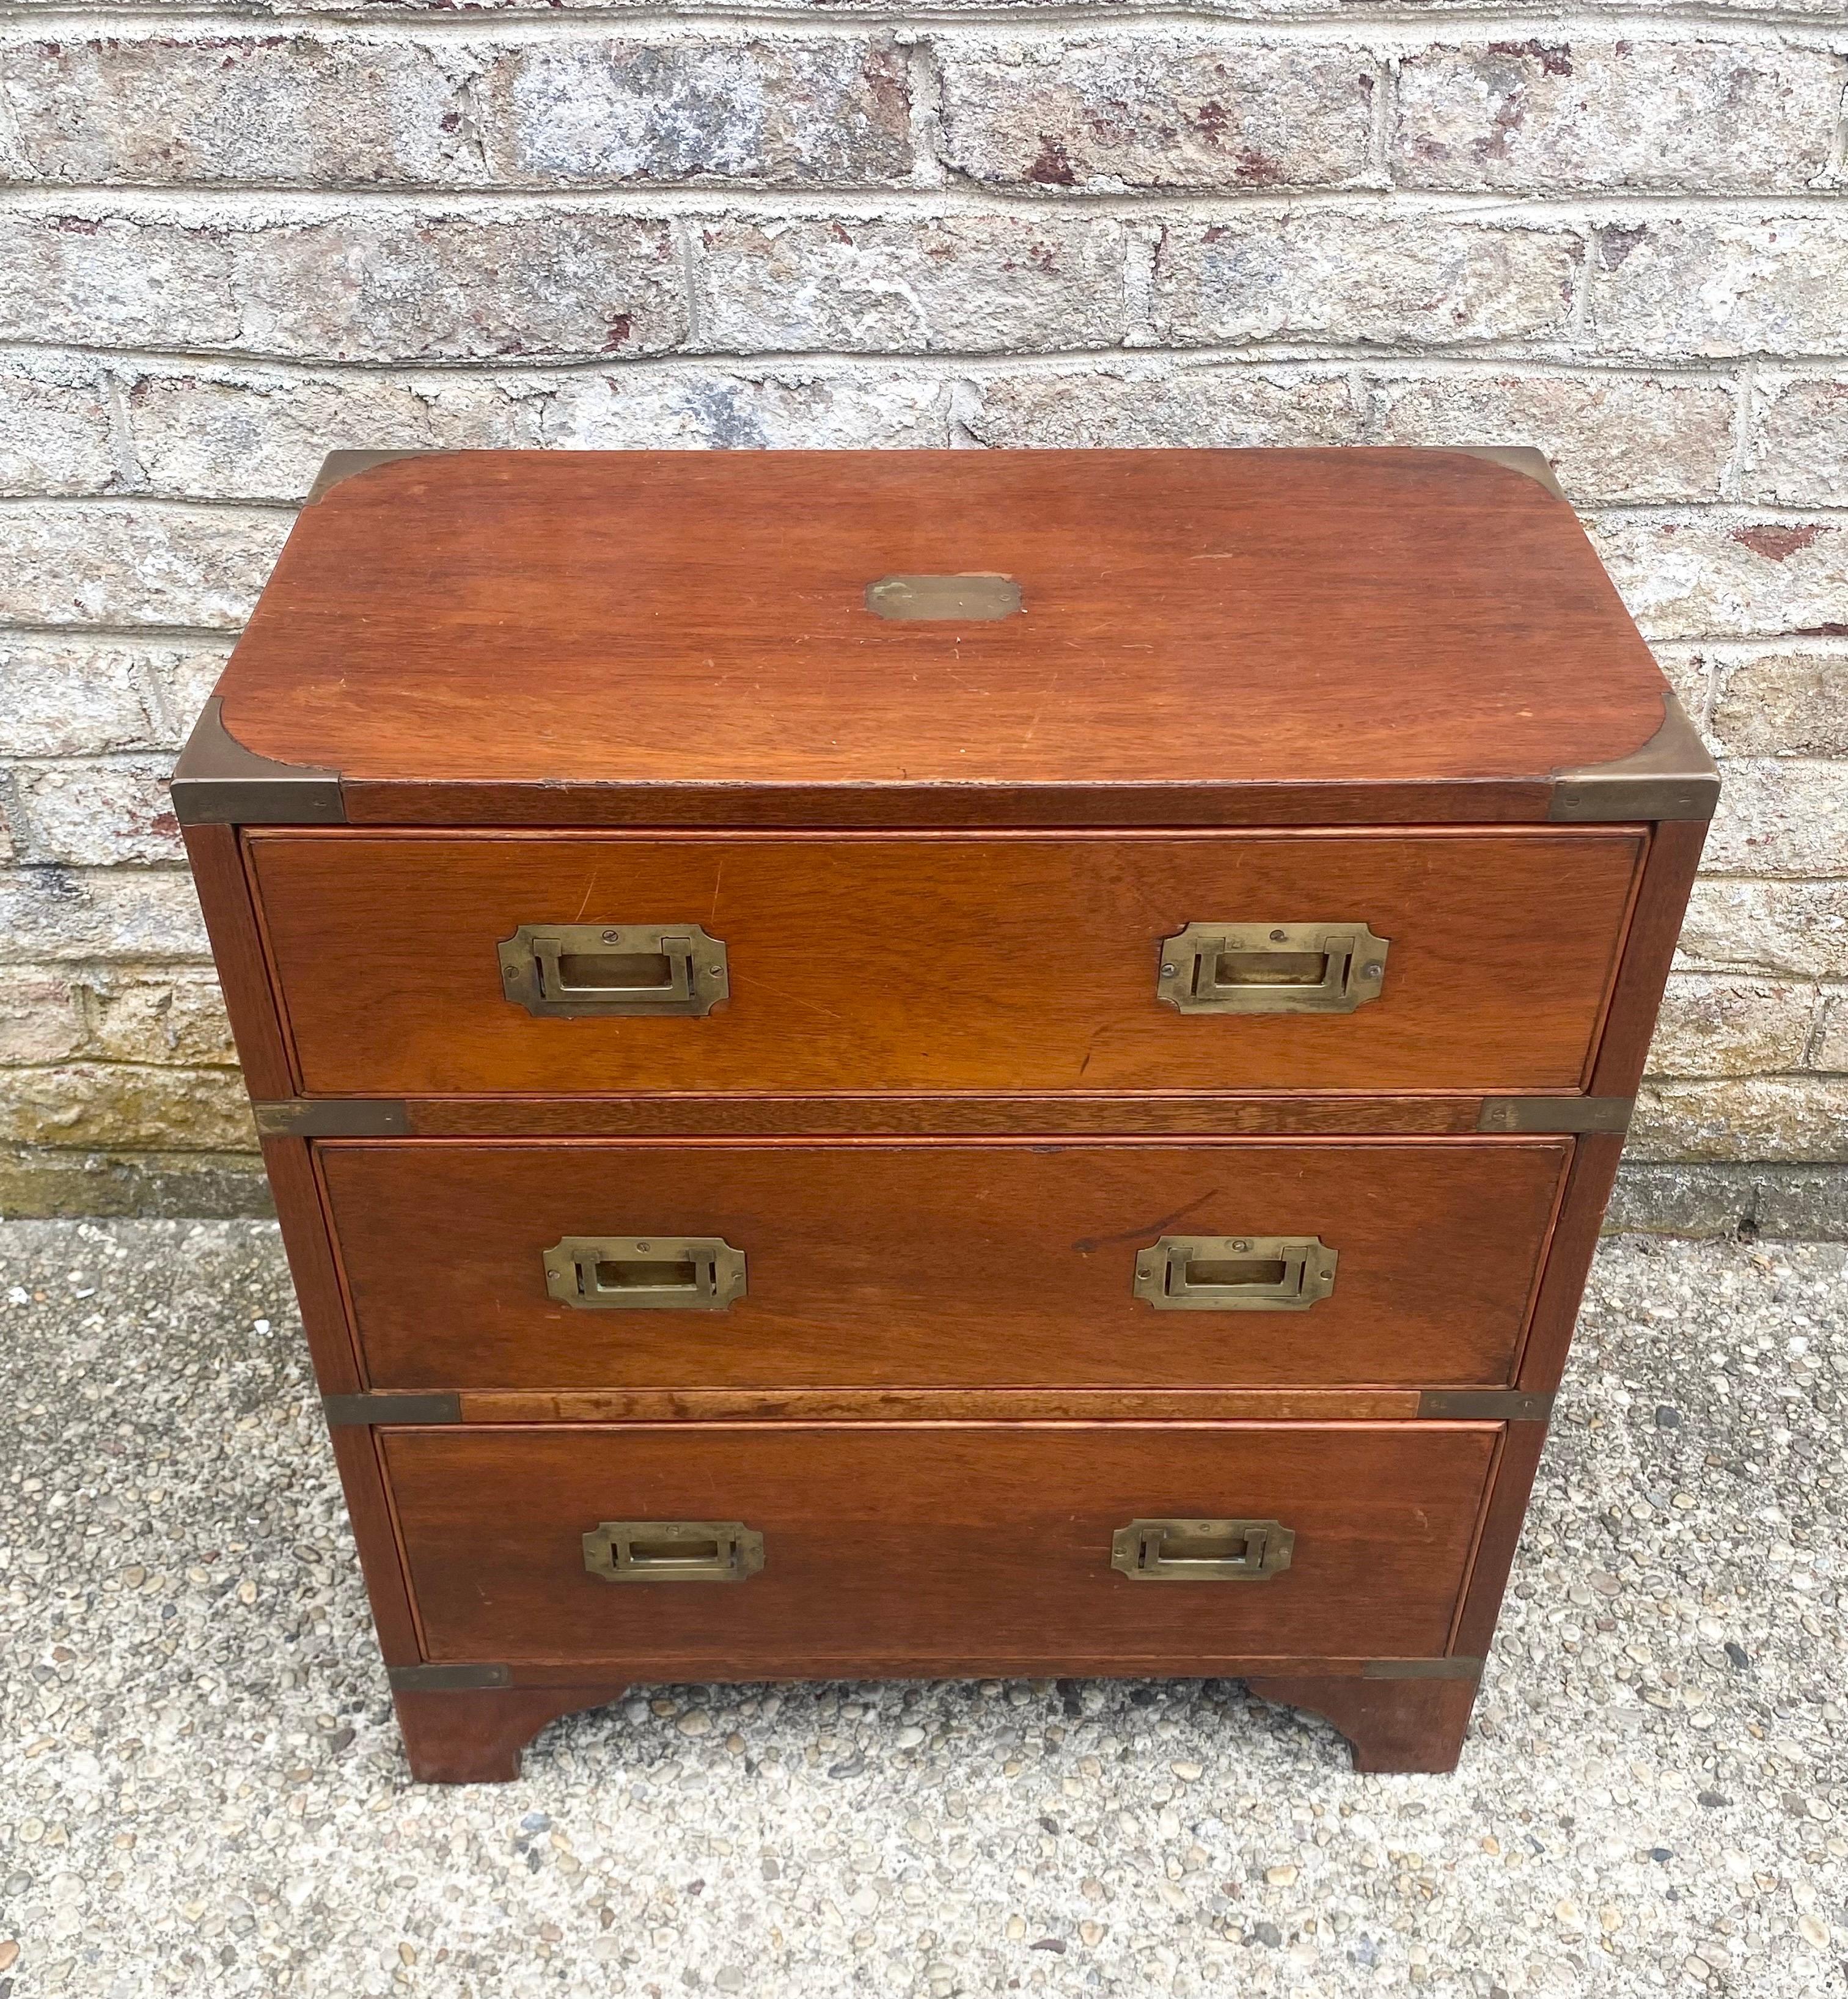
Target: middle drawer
[(720, 1263)]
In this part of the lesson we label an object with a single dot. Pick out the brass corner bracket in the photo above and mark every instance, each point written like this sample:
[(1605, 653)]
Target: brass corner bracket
[(333, 1117), (363, 1412), (1526, 459), (219, 782), (1539, 1114), (1484, 1405), (341, 464), (1670, 778), (1423, 1669), (435, 1678)]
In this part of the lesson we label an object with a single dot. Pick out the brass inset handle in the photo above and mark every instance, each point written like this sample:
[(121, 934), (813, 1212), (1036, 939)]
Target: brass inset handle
[(1235, 1273), (1272, 967), (570, 971), (645, 1272), (1202, 1551), (672, 1550)]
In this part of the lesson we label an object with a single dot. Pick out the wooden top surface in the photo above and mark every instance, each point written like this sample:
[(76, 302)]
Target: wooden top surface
[(1188, 619)]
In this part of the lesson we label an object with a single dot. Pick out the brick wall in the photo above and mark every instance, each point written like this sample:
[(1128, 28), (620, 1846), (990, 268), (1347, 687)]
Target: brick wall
[(231, 241)]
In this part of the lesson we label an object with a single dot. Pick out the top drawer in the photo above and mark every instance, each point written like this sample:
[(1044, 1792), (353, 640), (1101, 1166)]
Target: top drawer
[(1007, 961)]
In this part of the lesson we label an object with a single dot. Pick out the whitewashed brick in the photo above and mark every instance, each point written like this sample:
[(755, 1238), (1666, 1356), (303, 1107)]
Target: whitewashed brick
[(54, 426), (1189, 110), (1698, 284), (1778, 815), (252, 435), (298, 109), (1799, 454), (1799, 928), (135, 1015), (186, 677), (1782, 704), (367, 283), (783, 112), (1797, 1117), (119, 1103), (1702, 576), (970, 283), (41, 1016), (137, 563), (1609, 436), (783, 409), (56, 1014), (1127, 405), (55, 915), (1830, 1052), (1541, 117), (74, 698), (1315, 274), (101, 814), (1724, 1024)]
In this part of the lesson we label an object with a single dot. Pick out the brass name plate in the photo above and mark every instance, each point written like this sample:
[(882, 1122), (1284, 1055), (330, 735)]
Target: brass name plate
[(943, 598)]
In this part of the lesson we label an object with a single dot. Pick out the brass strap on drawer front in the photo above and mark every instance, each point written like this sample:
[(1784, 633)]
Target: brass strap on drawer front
[(673, 1551), (645, 1272), (1324, 967), (1202, 1551), (1235, 1273), (572, 972)]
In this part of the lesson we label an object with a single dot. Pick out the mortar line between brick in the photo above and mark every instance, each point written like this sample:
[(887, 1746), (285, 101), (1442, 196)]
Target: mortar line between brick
[(228, 205), (1487, 357), (1407, 25)]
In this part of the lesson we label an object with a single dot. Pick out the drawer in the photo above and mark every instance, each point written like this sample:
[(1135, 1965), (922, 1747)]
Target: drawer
[(1015, 962), (893, 1546), (931, 1263)]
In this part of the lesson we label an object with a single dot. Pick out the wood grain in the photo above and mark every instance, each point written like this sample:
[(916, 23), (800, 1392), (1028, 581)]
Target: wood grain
[(944, 1114), (1648, 950), (1016, 962), (216, 860), (859, 1405), (926, 1541), (930, 1263), (1390, 1725), (1201, 620)]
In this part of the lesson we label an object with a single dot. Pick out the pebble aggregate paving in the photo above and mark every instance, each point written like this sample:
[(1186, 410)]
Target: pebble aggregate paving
[(201, 1791)]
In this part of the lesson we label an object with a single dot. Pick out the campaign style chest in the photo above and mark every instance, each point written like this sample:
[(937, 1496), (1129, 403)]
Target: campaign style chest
[(942, 1063)]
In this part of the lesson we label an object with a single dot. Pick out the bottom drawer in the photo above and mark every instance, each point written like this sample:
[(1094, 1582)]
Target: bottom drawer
[(933, 1548)]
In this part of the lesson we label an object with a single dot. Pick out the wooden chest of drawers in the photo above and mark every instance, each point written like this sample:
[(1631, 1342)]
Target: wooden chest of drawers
[(931, 1039)]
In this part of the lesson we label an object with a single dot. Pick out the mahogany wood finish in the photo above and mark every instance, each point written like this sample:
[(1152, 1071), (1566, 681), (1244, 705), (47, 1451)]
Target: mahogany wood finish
[(943, 1104), (880, 962), (1199, 622), (934, 1264), (900, 1542), (1390, 1725), (474, 1735)]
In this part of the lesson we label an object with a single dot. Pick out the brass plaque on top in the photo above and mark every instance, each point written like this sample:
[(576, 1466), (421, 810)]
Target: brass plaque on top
[(672, 1550), (1235, 1273), (1202, 1551), (1272, 967), (572, 972), (918, 599)]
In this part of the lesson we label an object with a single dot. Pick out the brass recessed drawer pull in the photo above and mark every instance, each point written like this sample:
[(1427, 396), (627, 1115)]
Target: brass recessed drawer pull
[(1235, 1273), (672, 1550), (1202, 1551), (571, 972), (1272, 967), (645, 1272)]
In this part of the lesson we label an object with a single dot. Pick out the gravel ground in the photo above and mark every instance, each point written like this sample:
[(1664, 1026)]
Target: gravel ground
[(201, 1790)]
